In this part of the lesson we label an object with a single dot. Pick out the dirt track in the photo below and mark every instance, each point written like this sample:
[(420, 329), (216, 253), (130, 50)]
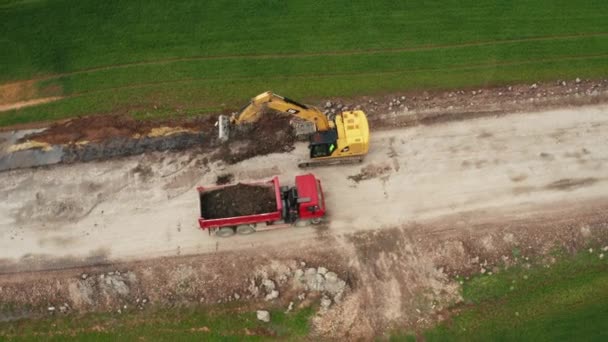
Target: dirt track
[(143, 207)]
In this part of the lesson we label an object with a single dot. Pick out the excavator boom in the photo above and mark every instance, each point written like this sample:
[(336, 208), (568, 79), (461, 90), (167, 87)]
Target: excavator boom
[(255, 109)]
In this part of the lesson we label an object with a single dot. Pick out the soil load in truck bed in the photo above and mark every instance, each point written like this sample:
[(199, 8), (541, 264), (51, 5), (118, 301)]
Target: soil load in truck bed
[(238, 200)]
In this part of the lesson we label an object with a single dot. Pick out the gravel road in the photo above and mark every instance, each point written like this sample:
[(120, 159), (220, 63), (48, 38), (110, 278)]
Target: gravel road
[(146, 206)]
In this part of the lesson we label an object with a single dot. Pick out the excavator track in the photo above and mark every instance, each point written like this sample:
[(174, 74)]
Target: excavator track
[(330, 162)]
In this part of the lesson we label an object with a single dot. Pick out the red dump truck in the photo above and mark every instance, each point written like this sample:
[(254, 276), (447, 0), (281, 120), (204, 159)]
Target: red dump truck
[(245, 208)]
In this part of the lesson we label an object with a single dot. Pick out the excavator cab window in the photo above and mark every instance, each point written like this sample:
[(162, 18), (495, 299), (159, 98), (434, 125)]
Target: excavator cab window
[(321, 150), (323, 144)]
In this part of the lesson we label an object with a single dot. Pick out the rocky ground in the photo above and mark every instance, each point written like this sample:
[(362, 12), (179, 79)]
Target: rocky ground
[(365, 283)]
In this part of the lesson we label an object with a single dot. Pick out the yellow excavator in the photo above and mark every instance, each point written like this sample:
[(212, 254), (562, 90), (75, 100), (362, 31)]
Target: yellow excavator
[(342, 140)]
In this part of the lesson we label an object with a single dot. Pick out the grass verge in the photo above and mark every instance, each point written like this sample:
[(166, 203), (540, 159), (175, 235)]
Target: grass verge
[(561, 301), (191, 324)]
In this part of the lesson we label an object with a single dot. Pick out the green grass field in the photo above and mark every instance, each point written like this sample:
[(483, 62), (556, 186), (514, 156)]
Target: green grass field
[(565, 302), (205, 56), (195, 324)]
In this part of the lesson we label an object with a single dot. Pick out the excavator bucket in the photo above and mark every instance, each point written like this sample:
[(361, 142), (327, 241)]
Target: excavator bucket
[(223, 125)]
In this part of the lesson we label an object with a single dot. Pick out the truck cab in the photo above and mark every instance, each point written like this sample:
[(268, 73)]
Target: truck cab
[(305, 201)]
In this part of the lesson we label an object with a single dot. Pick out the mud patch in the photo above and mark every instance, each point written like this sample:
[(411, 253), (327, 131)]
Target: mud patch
[(484, 135), (569, 184), (238, 200), (225, 178), (547, 156), (518, 177), (372, 171)]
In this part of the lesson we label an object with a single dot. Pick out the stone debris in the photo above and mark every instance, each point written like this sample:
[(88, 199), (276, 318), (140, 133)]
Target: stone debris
[(269, 285), (289, 308), (325, 303), (263, 316), (272, 295), (320, 280)]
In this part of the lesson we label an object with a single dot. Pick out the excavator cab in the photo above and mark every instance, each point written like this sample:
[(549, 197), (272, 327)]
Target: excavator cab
[(323, 143)]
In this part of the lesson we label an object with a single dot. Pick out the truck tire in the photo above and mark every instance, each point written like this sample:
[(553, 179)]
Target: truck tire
[(245, 229), (225, 232)]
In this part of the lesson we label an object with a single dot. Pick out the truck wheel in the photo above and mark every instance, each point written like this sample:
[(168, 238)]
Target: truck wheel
[(225, 232), (316, 220), (245, 229)]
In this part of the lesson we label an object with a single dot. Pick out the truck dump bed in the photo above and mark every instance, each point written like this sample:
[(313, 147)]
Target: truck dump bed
[(240, 204)]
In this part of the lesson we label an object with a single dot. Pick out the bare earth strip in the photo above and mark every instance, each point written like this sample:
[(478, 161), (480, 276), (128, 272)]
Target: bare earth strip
[(110, 211), (28, 103)]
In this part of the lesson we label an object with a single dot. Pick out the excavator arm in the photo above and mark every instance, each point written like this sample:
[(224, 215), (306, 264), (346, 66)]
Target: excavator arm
[(254, 110)]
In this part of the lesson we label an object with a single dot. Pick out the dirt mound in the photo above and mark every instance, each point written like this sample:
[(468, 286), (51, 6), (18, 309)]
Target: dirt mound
[(238, 200), (224, 178), (271, 134), (103, 127)]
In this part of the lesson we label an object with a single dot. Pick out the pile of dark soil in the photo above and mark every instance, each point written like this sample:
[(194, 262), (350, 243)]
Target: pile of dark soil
[(238, 200), (224, 178), (271, 134), (99, 128)]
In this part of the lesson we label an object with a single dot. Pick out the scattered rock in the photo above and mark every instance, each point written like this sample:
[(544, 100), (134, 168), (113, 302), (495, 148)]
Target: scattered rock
[(321, 270), (51, 308), (84, 276), (272, 295), (263, 315), (289, 308), (268, 285), (325, 303), (578, 80)]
